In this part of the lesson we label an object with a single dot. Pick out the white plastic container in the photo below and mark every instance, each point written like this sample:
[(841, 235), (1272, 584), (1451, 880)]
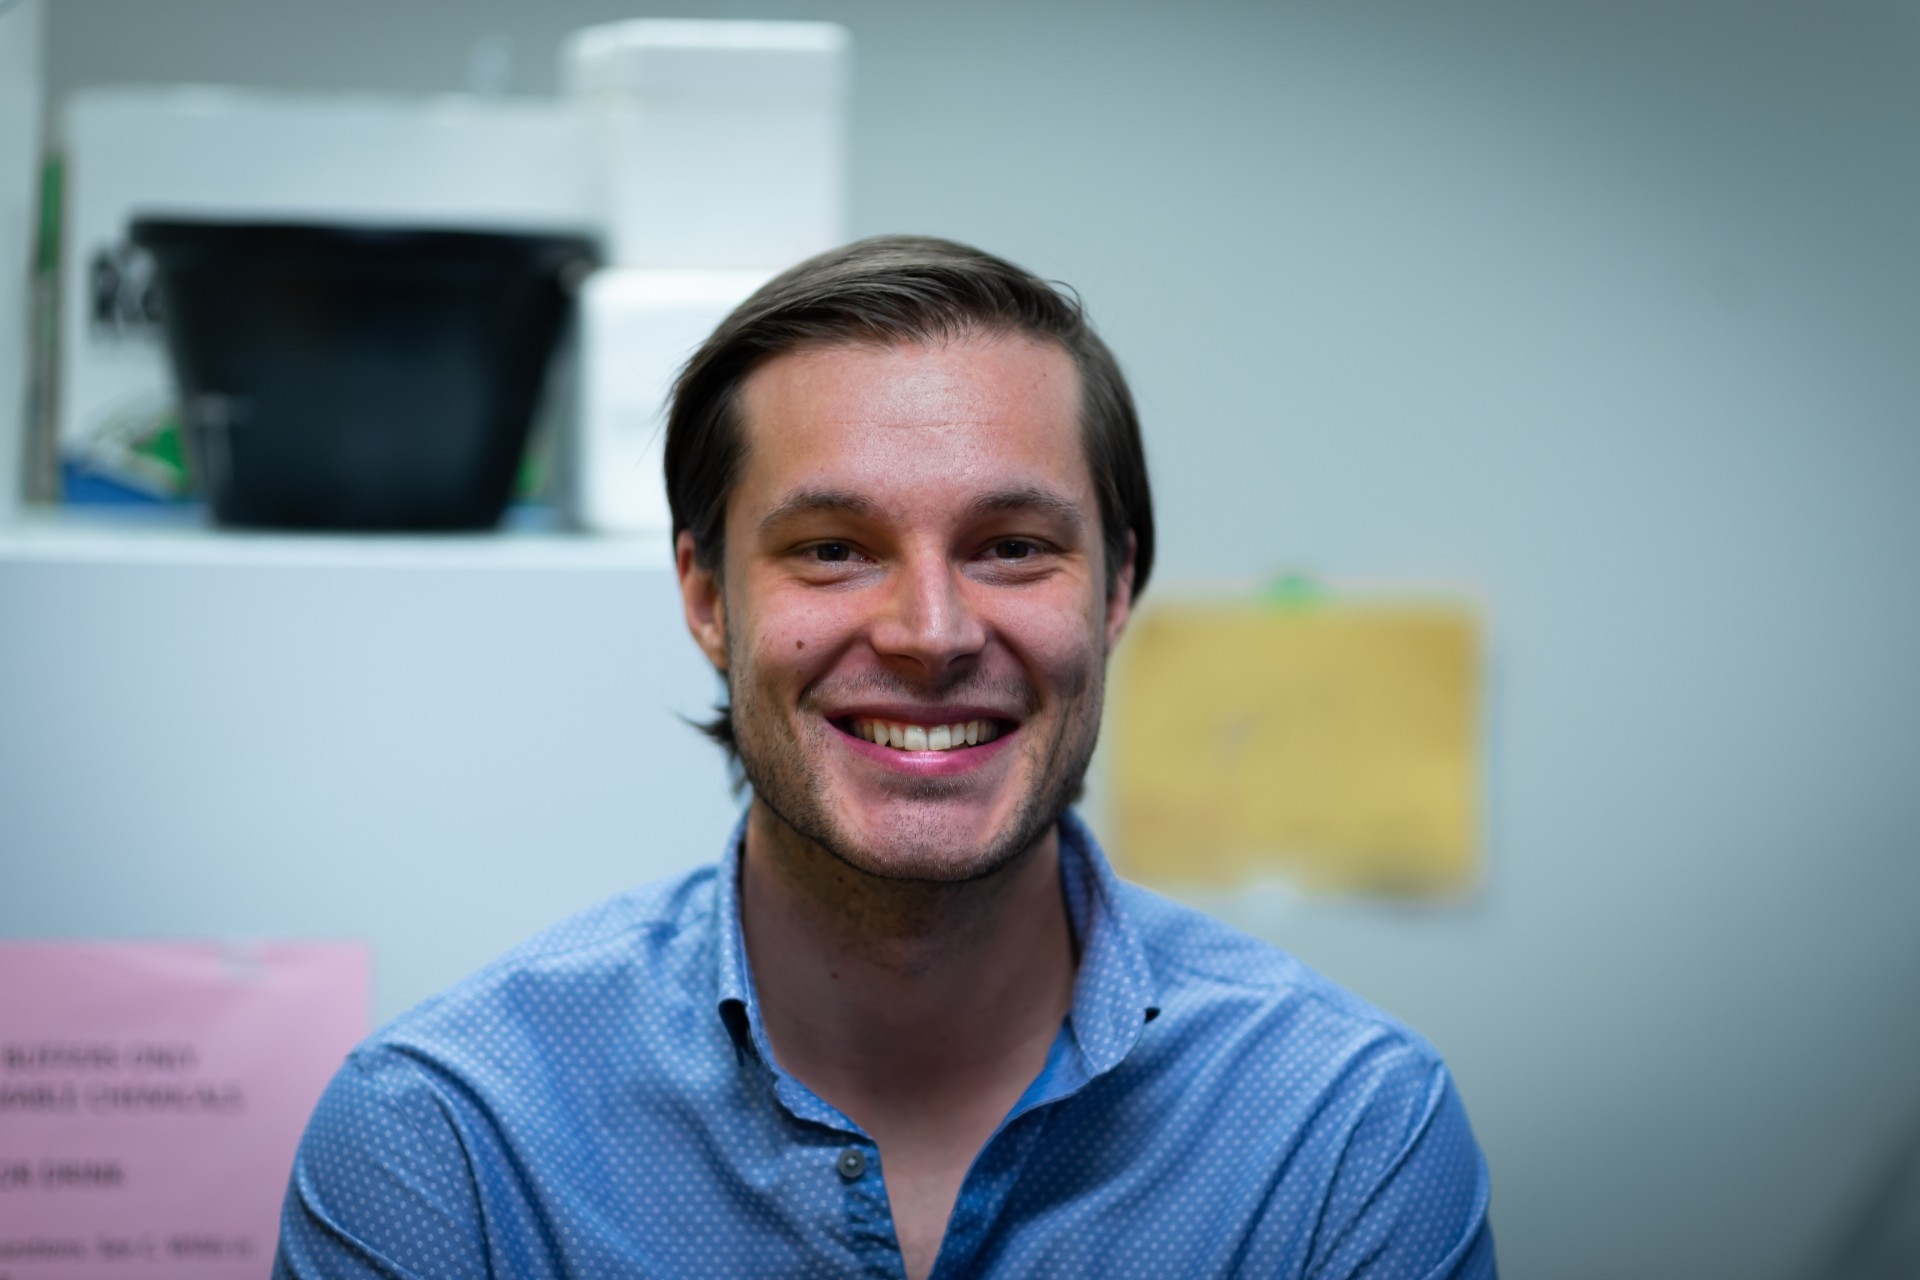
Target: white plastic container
[(717, 144), (637, 328), (255, 155), (20, 59)]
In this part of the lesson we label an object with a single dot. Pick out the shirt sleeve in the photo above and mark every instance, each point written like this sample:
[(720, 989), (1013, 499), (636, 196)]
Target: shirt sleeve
[(1409, 1197), (381, 1183)]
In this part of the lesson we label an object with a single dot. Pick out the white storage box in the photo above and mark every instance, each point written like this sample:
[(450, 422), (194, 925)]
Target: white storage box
[(246, 155), (718, 144), (636, 329)]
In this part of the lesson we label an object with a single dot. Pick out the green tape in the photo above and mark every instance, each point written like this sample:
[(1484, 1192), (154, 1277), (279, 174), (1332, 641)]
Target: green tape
[(1294, 591)]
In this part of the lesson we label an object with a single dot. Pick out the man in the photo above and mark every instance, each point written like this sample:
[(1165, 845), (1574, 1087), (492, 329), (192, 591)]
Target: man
[(911, 1024)]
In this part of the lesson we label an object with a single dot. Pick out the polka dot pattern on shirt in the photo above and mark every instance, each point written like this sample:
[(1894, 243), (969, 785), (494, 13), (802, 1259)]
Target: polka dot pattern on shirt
[(600, 1102)]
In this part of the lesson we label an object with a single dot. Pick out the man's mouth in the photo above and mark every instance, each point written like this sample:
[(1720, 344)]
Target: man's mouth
[(902, 736)]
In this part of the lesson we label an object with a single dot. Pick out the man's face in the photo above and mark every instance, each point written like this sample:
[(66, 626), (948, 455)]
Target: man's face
[(913, 615)]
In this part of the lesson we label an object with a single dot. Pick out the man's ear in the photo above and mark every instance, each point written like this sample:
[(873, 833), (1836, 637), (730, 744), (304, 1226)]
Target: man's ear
[(1120, 599), (703, 600)]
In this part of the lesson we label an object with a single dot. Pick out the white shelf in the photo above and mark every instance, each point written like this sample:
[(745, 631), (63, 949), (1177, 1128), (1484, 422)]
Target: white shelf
[(186, 536)]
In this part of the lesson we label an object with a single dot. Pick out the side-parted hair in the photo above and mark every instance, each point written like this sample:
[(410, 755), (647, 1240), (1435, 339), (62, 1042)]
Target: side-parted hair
[(888, 290)]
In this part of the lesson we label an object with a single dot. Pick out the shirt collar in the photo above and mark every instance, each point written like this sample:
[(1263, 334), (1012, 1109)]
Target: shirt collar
[(735, 982), (1113, 992)]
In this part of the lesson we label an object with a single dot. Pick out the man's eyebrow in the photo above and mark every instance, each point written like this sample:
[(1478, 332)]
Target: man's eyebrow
[(806, 502), (1029, 498)]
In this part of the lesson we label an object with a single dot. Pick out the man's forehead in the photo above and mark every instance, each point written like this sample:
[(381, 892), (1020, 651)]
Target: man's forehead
[(912, 424), (968, 377)]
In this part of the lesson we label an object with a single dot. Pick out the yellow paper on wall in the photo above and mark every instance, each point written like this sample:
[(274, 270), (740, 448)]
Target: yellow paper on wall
[(1336, 745)]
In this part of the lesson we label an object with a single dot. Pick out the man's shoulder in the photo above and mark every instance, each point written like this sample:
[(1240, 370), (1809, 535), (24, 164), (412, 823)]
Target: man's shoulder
[(444, 1128), (1357, 1109), (1217, 974), (639, 945)]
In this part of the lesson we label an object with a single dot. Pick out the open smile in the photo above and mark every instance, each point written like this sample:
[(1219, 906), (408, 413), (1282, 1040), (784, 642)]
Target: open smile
[(908, 736), (926, 746)]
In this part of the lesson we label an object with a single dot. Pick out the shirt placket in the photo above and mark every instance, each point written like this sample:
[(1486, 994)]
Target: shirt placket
[(990, 1182), (840, 1154), (984, 1194)]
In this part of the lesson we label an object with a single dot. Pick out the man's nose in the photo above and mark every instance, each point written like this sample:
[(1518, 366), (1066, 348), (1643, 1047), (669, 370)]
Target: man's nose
[(928, 617)]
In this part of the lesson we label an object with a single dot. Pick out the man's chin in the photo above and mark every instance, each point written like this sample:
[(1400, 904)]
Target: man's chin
[(926, 843), (925, 857)]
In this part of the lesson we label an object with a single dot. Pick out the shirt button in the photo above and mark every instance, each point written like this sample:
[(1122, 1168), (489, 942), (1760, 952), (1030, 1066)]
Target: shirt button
[(852, 1163)]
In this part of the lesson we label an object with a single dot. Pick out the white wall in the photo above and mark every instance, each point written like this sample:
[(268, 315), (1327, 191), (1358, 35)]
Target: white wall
[(1607, 312), (438, 746)]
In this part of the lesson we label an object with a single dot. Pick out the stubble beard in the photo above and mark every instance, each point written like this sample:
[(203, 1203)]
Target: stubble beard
[(786, 780)]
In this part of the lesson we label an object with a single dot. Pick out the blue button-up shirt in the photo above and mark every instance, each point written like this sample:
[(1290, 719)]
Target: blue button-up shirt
[(603, 1102)]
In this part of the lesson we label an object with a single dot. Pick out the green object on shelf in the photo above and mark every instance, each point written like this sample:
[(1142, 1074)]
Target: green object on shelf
[(47, 244), (164, 449), (531, 479)]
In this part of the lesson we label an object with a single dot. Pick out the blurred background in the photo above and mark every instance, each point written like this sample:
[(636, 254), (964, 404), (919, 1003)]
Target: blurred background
[(1606, 315)]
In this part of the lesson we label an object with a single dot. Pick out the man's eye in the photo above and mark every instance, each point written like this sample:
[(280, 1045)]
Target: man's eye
[(1013, 549), (832, 552)]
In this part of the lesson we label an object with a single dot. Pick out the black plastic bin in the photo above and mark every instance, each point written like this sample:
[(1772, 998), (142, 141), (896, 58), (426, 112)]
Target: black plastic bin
[(359, 378)]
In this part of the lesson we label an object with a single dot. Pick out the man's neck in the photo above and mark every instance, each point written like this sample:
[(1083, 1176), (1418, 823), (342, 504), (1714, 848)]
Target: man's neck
[(922, 1011), (867, 984)]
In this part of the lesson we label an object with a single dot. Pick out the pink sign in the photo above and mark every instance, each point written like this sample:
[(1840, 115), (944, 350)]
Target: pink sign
[(151, 1096)]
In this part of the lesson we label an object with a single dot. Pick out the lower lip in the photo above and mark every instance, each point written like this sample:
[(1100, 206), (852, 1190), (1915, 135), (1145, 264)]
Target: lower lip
[(927, 764)]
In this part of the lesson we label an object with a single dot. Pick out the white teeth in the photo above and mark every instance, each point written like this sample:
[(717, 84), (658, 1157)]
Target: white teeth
[(916, 737)]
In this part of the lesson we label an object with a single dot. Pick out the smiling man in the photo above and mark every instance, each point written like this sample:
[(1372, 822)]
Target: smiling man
[(910, 1024)]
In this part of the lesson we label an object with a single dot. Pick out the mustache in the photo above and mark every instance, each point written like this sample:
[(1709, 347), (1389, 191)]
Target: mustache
[(968, 686)]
